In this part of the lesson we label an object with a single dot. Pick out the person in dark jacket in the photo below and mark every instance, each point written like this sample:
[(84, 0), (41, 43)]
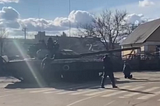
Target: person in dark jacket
[(108, 71), (127, 70)]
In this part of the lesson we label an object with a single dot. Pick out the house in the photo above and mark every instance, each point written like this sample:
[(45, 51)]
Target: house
[(145, 36), (78, 44)]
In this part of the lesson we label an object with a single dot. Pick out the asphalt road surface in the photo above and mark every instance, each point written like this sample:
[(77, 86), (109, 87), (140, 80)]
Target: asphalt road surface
[(143, 90)]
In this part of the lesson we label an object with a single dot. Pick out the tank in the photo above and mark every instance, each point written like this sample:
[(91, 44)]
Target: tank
[(29, 69), (67, 64)]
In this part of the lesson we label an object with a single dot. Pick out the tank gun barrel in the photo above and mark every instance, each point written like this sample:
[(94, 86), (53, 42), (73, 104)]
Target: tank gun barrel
[(110, 51)]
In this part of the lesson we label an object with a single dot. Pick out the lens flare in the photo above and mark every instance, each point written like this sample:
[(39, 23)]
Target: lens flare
[(37, 77)]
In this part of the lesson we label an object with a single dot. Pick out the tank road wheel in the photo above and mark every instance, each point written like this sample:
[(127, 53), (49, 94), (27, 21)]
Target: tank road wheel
[(66, 67)]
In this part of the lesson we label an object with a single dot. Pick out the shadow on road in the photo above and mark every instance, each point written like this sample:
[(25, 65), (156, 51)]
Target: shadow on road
[(76, 85), (57, 85), (127, 90), (60, 84), (136, 80)]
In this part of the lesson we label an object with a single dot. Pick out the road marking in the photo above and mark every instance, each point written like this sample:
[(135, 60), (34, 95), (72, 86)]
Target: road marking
[(120, 92), (149, 95), (81, 100), (54, 91), (129, 95), (99, 92), (83, 86), (47, 92), (19, 91), (133, 94), (78, 93), (107, 91), (5, 95), (38, 91), (80, 86), (7, 91), (152, 89), (65, 92), (109, 103)]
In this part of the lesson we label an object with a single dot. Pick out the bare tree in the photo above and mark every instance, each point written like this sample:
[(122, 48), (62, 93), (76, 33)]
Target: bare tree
[(3, 36), (109, 26)]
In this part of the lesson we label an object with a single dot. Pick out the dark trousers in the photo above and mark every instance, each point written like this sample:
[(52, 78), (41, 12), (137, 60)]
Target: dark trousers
[(111, 76), (127, 73)]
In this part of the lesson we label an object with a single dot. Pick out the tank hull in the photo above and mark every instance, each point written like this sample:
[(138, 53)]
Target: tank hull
[(30, 71)]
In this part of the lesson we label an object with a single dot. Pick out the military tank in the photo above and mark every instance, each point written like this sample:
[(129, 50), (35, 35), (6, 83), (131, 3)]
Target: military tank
[(78, 66), (67, 64)]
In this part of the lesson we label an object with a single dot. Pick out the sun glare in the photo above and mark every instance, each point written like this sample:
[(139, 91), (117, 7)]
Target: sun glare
[(38, 78)]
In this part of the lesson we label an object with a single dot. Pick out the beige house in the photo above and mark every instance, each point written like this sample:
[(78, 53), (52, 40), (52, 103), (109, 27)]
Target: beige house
[(145, 36)]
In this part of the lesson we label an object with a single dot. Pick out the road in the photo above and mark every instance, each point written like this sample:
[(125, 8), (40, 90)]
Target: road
[(143, 90)]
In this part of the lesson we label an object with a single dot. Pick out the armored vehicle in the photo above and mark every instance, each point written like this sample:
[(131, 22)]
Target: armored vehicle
[(66, 64)]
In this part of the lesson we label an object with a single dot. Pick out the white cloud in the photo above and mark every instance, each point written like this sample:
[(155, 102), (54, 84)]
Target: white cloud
[(76, 17), (136, 18), (34, 24), (10, 19), (148, 12), (11, 24), (59, 23), (80, 17), (9, 1), (9, 13), (145, 3)]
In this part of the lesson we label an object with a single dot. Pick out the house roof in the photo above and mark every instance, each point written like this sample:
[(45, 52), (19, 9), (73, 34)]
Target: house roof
[(142, 32)]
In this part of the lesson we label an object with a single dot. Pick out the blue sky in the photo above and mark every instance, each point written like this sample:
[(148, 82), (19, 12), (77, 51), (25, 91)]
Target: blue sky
[(57, 8), (53, 16)]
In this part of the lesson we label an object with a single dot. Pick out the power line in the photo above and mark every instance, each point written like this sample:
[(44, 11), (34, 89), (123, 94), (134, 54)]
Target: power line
[(68, 17), (38, 2), (39, 10)]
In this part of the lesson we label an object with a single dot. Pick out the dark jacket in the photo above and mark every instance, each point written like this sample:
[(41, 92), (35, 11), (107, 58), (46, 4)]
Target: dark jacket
[(126, 68), (107, 63)]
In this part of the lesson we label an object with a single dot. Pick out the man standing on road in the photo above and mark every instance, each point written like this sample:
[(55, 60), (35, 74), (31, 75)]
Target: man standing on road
[(108, 71)]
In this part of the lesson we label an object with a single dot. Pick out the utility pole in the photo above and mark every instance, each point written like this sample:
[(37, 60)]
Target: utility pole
[(69, 20), (25, 32)]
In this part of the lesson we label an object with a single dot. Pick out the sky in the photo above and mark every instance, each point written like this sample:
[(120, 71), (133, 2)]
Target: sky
[(53, 16)]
